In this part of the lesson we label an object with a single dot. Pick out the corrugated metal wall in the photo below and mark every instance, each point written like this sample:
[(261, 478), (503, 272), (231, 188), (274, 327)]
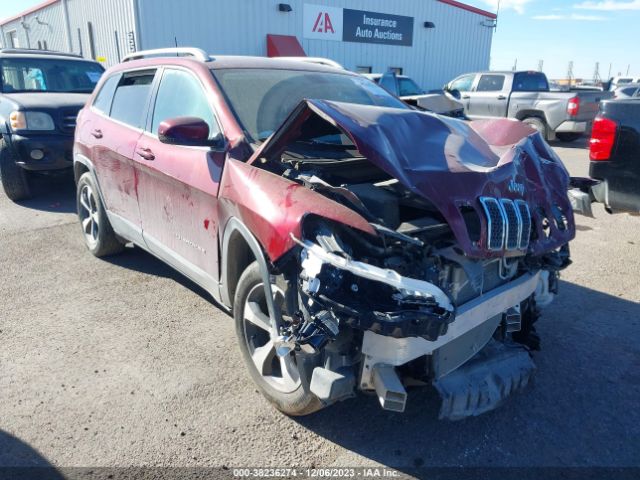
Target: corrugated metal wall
[(47, 27), (461, 41), (112, 22)]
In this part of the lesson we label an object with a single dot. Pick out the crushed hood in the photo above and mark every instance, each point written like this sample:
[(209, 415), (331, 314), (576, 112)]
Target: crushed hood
[(451, 163)]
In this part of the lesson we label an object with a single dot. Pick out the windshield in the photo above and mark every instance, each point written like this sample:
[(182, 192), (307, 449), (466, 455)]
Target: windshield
[(262, 99), (49, 75), (408, 87)]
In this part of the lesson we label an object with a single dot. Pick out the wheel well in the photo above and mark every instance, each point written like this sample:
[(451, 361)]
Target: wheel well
[(239, 257), (522, 114), (79, 169)]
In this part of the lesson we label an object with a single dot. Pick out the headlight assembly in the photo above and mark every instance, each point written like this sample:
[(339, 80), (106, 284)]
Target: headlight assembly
[(36, 121)]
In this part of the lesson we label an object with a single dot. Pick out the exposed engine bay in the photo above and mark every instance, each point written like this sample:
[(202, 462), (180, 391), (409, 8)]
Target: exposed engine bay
[(448, 288)]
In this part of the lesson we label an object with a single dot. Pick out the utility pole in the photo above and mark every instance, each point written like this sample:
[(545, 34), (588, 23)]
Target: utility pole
[(540, 65), (609, 76), (570, 73), (515, 65), (628, 67), (596, 73)]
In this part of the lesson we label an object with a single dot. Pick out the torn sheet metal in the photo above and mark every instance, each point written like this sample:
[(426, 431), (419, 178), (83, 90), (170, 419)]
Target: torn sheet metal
[(451, 163)]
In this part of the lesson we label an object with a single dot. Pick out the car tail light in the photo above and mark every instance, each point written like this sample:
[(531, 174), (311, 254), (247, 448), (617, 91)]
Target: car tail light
[(573, 107), (603, 136)]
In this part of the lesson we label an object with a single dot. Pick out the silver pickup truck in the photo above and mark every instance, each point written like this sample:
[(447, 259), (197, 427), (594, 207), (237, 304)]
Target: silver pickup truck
[(525, 96)]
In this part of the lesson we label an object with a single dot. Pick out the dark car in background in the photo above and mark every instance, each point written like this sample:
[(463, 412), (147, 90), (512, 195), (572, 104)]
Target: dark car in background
[(614, 151), (41, 93)]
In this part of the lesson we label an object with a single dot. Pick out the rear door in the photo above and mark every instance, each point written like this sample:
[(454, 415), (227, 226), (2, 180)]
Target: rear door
[(114, 126), (178, 185), (488, 99)]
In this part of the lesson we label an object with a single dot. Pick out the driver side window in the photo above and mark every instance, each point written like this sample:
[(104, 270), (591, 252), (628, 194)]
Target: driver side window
[(181, 95), (463, 84)]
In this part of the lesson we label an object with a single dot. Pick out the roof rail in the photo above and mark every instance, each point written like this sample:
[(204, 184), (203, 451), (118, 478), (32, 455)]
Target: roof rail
[(35, 51), (196, 53), (317, 60)]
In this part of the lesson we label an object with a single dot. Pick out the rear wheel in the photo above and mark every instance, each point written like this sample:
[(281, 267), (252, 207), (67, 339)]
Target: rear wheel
[(98, 234), (537, 124), (278, 378), (13, 177), (568, 136)]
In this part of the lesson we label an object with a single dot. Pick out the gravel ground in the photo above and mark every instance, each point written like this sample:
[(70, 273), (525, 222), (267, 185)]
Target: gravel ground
[(123, 362)]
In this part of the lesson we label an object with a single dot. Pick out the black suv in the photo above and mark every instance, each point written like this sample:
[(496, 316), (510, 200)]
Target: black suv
[(41, 93)]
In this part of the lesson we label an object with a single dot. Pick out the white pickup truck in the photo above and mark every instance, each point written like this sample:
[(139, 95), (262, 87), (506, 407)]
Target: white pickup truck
[(525, 96)]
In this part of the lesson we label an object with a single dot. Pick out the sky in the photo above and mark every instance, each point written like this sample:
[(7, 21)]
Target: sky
[(554, 31)]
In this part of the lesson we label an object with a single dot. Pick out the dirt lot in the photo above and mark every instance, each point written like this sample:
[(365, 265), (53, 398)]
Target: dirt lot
[(123, 362)]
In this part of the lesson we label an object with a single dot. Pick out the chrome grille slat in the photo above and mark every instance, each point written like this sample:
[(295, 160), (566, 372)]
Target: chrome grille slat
[(525, 215), (495, 223), (508, 223)]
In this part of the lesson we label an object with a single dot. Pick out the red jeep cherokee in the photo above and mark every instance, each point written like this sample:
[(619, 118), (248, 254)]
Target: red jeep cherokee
[(358, 242)]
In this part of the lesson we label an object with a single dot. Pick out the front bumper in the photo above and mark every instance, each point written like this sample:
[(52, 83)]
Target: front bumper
[(57, 151)]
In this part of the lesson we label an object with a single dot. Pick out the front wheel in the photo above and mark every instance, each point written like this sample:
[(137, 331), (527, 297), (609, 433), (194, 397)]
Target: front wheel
[(13, 177), (98, 234), (278, 378)]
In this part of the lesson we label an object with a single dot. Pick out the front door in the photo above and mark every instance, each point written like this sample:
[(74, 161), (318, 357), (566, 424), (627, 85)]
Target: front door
[(178, 185), (488, 98)]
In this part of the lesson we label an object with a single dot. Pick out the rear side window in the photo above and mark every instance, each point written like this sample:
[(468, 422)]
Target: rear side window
[(105, 96), (530, 82), (182, 95), (130, 100), (490, 83)]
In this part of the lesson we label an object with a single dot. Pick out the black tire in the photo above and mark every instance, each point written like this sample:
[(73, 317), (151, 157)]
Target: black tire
[(537, 124), (298, 400), (14, 178), (97, 232), (568, 136)]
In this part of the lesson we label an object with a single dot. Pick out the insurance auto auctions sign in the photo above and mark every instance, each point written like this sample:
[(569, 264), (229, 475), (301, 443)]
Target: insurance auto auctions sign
[(343, 24)]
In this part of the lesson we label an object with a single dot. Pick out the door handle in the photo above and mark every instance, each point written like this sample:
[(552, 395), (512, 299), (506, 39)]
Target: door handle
[(97, 133), (145, 153), (465, 97), (501, 97)]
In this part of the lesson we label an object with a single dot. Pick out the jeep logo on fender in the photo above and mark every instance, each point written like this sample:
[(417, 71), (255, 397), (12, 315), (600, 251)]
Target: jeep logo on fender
[(515, 187)]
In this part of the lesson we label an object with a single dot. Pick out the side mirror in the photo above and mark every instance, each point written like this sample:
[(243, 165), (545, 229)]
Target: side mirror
[(455, 93), (189, 131)]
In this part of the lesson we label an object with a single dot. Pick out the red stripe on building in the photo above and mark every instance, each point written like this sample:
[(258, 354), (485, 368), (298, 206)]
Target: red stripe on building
[(40, 6), (469, 8)]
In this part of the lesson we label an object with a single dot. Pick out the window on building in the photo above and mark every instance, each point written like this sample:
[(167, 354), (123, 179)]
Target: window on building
[(105, 96), (191, 102), (396, 70), (490, 83), (463, 84), (363, 69), (12, 39), (130, 100)]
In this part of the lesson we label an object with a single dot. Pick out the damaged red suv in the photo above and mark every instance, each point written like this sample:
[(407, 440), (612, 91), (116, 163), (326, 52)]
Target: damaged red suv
[(359, 244)]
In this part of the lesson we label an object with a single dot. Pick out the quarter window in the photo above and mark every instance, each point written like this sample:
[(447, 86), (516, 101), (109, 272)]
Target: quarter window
[(105, 96), (130, 99), (490, 83), (181, 95)]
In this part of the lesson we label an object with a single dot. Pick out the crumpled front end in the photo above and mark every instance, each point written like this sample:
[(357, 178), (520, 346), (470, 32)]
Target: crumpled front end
[(469, 227)]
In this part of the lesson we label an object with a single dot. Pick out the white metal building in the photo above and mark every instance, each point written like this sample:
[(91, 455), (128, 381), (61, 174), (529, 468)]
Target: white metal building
[(429, 40)]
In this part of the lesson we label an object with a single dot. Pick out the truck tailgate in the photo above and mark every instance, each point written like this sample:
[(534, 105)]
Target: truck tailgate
[(589, 105)]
